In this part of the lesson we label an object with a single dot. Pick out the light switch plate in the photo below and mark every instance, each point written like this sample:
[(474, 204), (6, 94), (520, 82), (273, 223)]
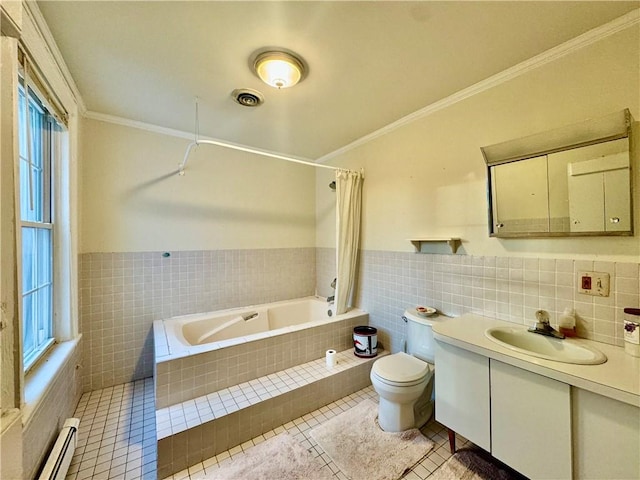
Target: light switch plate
[(594, 283)]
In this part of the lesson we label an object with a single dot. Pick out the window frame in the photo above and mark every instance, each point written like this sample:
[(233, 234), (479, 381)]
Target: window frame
[(32, 97)]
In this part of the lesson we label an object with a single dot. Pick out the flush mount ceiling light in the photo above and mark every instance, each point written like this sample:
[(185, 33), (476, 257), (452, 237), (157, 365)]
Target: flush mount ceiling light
[(279, 69)]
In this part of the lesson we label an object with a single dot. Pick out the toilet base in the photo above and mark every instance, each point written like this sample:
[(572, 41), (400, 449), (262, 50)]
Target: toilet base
[(395, 417), (423, 411)]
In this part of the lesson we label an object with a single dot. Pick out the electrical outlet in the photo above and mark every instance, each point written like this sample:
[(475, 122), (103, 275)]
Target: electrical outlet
[(594, 283)]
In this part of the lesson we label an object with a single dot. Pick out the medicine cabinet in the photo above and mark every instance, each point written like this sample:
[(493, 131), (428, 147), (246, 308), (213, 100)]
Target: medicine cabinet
[(572, 181)]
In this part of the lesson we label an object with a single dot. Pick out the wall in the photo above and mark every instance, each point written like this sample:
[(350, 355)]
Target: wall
[(134, 201), (427, 178), (49, 393), (239, 230)]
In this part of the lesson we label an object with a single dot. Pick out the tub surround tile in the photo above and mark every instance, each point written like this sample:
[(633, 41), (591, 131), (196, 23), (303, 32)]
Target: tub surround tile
[(190, 432), (175, 418), (181, 379), (121, 294)]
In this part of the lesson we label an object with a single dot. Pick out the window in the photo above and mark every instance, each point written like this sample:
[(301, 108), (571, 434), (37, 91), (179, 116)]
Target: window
[(36, 148)]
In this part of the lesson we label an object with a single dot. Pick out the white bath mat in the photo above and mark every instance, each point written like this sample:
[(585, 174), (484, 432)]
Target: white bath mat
[(279, 458), (469, 465), (361, 449)]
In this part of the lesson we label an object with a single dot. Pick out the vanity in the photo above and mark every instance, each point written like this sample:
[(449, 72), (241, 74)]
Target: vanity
[(544, 418)]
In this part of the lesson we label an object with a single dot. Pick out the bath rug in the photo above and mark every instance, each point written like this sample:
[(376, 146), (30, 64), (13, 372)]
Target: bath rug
[(362, 450), (468, 464), (279, 458)]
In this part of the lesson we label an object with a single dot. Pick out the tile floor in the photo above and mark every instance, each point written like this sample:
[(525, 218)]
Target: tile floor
[(117, 438), (182, 416)]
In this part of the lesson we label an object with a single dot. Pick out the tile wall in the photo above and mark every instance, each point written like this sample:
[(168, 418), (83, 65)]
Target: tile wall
[(185, 378), (194, 445), (508, 288), (121, 294)]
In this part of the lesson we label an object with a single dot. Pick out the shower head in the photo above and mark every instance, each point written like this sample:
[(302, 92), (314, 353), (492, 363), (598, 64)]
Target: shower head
[(332, 185)]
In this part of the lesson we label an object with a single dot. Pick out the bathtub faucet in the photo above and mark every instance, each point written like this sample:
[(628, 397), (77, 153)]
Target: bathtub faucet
[(248, 316), (331, 299)]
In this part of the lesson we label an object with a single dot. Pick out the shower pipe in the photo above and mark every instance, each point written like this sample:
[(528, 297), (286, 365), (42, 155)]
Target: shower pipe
[(243, 148)]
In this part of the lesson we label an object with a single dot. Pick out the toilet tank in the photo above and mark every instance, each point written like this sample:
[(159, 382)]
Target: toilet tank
[(420, 342)]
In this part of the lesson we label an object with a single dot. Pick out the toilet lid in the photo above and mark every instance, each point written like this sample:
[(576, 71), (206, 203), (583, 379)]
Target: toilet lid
[(400, 368)]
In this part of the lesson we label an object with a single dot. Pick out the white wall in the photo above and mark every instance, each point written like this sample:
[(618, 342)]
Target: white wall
[(133, 199), (428, 177)]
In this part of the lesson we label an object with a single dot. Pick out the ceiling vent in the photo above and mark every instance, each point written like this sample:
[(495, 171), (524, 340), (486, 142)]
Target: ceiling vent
[(247, 97)]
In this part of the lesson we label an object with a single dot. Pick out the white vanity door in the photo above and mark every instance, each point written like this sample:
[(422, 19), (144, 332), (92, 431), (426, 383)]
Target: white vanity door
[(462, 393), (530, 422), (606, 440)]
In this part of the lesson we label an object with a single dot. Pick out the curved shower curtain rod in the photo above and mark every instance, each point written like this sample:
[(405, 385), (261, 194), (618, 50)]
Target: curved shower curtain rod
[(242, 148)]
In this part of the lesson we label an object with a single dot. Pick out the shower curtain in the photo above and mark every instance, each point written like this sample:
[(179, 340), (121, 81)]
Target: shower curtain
[(348, 212)]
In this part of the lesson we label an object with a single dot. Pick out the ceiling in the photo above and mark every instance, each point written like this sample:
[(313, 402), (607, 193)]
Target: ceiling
[(370, 63)]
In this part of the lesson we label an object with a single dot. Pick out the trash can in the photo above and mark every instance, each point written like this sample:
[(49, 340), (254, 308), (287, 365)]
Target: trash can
[(365, 341)]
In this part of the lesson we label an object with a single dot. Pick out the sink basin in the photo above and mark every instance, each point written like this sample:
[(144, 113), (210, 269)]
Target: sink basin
[(567, 351)]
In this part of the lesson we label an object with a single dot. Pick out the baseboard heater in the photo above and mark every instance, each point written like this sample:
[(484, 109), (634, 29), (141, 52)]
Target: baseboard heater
[(60, 457)]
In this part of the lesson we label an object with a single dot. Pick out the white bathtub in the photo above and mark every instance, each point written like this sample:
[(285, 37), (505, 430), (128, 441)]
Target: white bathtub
[(190, 334), (203, 353)]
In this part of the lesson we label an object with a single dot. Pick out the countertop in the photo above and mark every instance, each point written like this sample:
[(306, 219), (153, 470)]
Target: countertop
[(618, 378)]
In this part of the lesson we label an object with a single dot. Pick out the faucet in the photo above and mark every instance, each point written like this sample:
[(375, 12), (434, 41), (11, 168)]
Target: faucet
[(331, 298), (543, 327)]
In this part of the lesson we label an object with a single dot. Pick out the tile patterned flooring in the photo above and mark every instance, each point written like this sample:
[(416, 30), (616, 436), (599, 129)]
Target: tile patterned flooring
[(182, 416), (117, 438)]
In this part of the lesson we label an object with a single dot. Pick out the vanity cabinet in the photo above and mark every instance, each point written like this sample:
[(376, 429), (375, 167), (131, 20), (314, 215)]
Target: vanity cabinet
[(545, 419), (521, 418), (462, 393), (530, 422), (606, 439)]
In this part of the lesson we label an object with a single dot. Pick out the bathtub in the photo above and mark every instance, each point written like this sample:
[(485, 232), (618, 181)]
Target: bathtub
[(211, 351)]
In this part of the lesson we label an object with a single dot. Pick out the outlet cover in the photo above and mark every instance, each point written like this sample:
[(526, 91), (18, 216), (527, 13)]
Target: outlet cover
[(594, 283)]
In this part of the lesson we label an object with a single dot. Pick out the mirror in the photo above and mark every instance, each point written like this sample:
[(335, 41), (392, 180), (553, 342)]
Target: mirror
[(570, 190)]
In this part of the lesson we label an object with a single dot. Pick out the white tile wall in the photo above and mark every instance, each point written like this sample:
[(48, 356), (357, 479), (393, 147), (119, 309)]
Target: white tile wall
[(185, 378), (508, 288), (278, 405), (177, 418), (121, 294)]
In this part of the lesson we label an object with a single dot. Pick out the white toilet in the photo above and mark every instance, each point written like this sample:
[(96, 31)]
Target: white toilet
[(404, 381)]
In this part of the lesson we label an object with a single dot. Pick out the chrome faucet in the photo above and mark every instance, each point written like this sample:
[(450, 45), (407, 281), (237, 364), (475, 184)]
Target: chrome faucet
[(331, 298), (543, 327)]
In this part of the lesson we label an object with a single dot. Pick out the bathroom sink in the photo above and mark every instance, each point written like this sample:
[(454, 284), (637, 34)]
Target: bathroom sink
[(549, 348)]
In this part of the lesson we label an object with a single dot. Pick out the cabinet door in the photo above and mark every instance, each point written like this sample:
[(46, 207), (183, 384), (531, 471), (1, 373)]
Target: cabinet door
[(530, 422), (462, 393), (606, 437), (617, 206), (586, 200)]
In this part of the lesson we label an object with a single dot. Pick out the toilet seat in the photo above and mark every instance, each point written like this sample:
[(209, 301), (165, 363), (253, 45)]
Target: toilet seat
[(400, 370)]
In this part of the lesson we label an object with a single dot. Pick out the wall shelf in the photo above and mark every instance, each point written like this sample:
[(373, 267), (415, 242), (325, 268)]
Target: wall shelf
[(453, 242)]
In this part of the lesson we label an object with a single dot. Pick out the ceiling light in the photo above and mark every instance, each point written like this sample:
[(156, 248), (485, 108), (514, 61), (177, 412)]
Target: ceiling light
[(279, 69)]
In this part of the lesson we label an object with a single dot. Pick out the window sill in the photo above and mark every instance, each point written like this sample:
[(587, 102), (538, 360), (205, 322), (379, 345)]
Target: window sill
[(42, 376)]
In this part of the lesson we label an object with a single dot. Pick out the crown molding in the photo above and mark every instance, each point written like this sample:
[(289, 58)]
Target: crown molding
[(31, 8), (149, 127), (594, 35), (101, 117)]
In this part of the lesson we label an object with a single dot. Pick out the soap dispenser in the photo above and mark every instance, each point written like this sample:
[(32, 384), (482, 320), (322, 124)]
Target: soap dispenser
[(567, 323)]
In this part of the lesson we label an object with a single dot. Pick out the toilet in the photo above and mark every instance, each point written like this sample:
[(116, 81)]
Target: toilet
[(404, 381)]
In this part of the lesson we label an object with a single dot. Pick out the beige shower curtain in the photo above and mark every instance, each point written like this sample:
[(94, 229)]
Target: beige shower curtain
[(348, 212)]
